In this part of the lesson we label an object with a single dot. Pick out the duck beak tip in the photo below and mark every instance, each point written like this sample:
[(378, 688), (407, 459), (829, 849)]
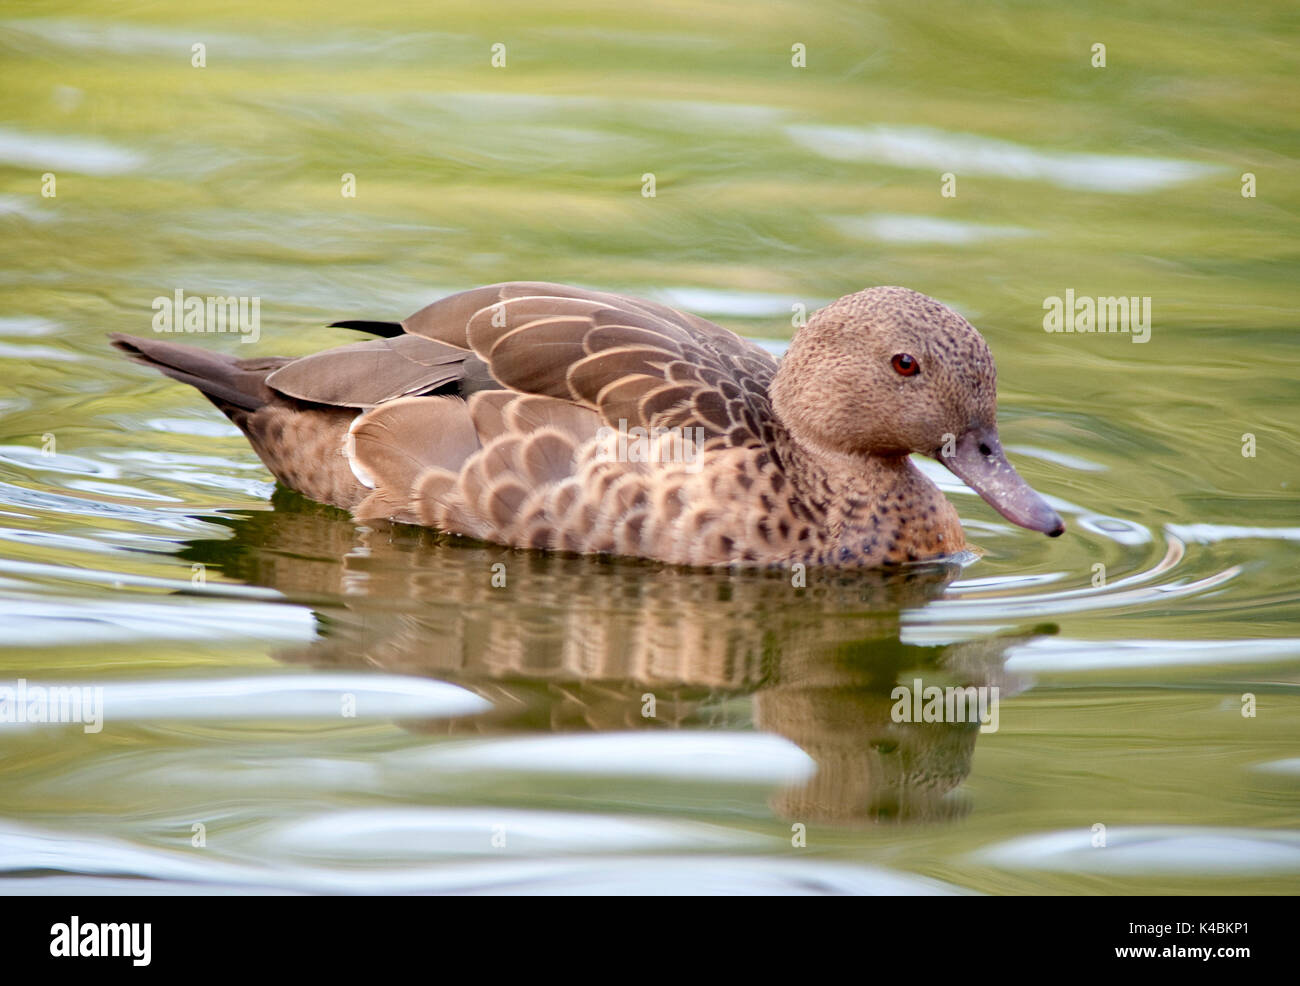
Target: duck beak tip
[(978, 460)]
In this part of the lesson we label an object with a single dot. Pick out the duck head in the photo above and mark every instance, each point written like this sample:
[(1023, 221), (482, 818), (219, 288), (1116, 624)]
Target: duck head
[(888, 371)]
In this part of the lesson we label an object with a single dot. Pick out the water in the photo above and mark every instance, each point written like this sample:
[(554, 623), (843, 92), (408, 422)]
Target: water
[(293, 703)]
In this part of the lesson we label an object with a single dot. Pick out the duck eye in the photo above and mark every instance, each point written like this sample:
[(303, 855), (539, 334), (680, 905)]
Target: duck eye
[(906, 365)]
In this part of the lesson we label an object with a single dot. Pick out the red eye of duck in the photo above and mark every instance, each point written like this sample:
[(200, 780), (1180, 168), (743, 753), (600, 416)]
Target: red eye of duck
[(905, 365)]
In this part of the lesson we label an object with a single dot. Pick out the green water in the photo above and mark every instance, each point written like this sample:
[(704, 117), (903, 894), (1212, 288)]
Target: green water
[(270, 668)]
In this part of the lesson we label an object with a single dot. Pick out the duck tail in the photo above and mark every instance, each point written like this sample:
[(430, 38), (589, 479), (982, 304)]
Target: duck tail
[(236, 386)]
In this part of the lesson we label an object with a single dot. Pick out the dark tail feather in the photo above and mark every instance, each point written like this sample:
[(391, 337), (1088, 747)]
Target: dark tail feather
[(234, 385), (386, 329)]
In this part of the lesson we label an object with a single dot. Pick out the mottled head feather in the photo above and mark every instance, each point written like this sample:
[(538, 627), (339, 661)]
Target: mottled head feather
[(838, 389)]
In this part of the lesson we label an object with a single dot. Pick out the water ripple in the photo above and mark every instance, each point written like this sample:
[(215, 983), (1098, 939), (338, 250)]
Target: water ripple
[(32, 622), (974, 154), (83, 155), (78, 864), (750, 758), (416, 833), (1058, 654), (1181, 850)]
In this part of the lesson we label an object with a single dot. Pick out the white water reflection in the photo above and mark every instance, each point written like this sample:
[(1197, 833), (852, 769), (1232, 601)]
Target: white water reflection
[(13, 205), (737, 304), (974, 154), (25, 325), (1058, 654), (174, 42), (35, 459), (10, 351), (96, 865), (418, 833), (1214, 533), (1076, 462), (754, 758), (50, 622), (898, 228), (1290, 766), (290, 696), (52, 152), (205, 427), (1187, 850)]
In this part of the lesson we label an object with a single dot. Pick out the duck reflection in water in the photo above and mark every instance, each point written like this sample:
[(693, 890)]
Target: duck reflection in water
[(564, 643)]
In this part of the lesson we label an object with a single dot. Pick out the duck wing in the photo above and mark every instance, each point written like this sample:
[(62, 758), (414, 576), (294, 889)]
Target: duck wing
[(366, 374), (625, 358)]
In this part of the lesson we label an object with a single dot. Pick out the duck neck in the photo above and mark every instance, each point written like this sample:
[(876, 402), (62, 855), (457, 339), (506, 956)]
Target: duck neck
[(871, 509), (838, 484)]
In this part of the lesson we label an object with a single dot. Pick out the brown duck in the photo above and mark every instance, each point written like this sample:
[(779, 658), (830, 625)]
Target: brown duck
[(543, 416)]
